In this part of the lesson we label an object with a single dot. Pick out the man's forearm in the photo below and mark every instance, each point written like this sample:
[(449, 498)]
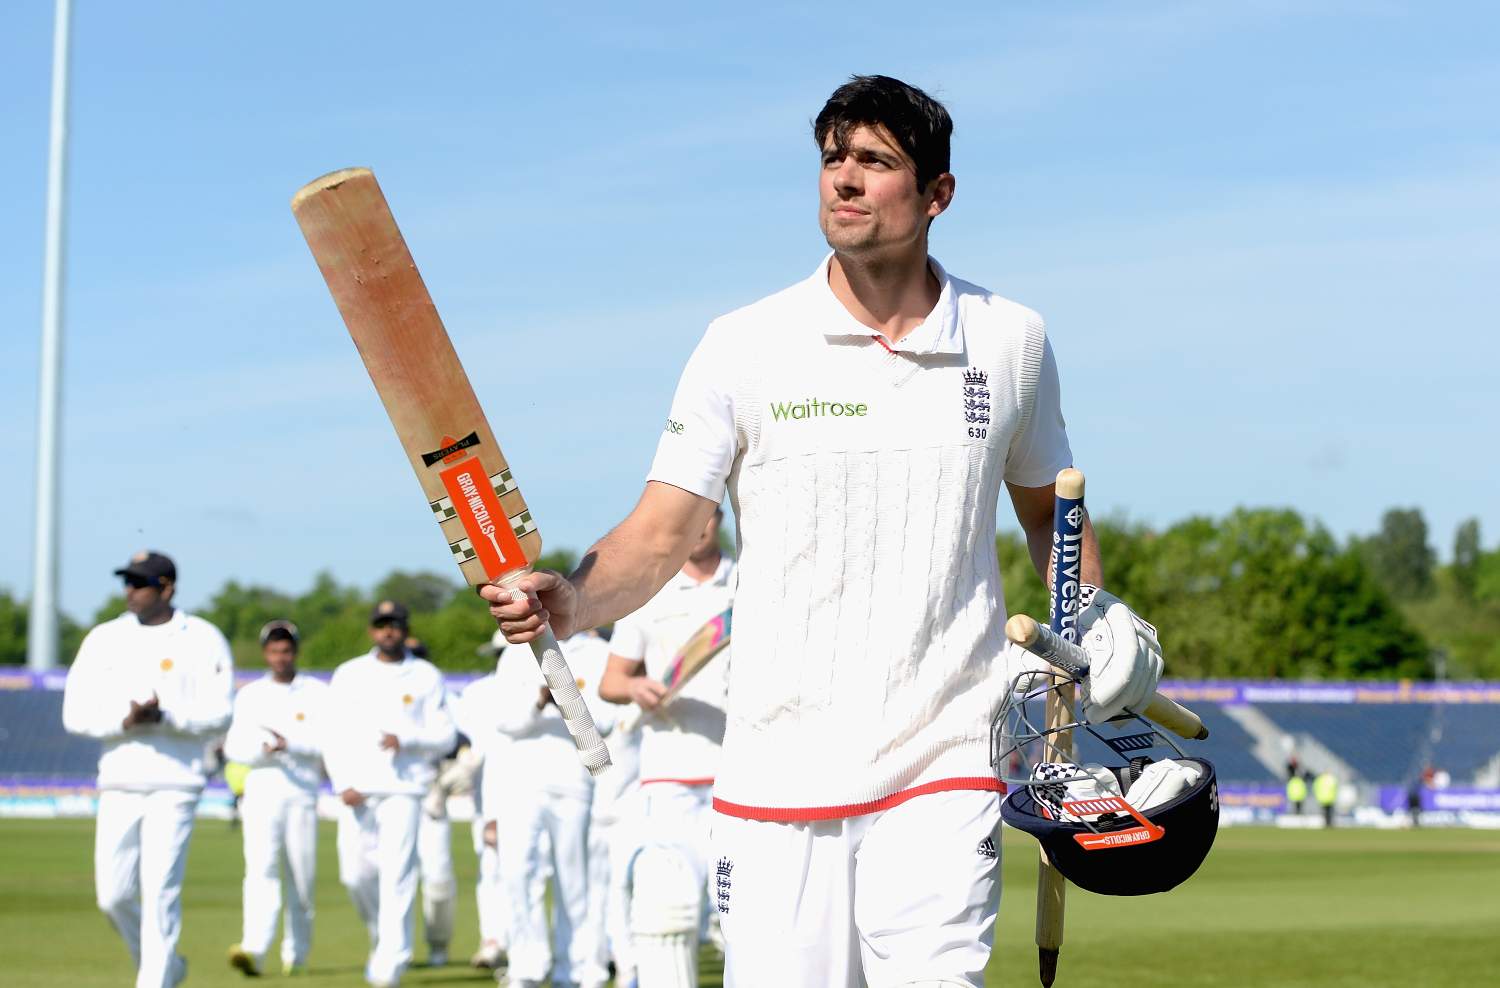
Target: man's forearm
[(1039, 544), (628, 566)]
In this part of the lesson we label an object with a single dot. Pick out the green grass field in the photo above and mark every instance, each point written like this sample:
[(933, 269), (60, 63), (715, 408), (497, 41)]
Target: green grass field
[(1285, 908)]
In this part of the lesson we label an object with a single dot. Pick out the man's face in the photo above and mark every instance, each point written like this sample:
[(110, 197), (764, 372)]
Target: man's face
[(144, 598), (281, 656), (868, 200), (389, 637)]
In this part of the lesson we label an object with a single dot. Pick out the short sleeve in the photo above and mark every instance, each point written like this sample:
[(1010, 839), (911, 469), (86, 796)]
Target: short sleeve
[(698, 444), (1038, 453), (629, 639)]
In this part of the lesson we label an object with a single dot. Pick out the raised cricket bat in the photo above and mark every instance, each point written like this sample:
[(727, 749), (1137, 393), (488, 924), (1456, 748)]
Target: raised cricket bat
[(707, 642), (1047, 644), (1065, 567), (468, 485)]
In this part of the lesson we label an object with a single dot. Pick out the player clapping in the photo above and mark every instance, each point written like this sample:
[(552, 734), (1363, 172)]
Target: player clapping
[(278, 727), (153, 685)]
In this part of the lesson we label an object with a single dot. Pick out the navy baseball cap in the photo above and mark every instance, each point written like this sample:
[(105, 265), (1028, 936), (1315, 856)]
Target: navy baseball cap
[(153, 567), (389, 610)]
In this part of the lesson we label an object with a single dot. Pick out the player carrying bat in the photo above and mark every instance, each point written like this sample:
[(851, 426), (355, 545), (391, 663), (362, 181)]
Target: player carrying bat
[(662, 859), (864, 421)]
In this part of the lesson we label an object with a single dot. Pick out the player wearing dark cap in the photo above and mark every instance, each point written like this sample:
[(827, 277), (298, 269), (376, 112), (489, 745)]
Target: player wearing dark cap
[(278, 727), (153, 686), (391, 723)]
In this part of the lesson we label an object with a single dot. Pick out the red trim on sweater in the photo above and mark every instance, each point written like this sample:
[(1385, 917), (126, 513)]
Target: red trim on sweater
[(882, 341), (682, 782), (803, 814)]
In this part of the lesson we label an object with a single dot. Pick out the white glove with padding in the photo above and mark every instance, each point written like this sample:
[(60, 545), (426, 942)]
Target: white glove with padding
[(1124, 655), (1161, 782)]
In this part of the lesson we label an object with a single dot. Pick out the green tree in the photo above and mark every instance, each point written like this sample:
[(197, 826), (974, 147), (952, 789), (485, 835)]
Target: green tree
[(1025, 593), (13, 620), (1466, 555), (418, 591), (1399, 554)]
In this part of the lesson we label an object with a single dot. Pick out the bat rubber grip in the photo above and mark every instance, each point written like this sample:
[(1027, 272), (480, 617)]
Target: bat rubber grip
[(575, 712), (1047, 644)]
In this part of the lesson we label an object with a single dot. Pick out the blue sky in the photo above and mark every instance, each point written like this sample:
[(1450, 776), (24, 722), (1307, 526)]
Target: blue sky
[(1259, 232)]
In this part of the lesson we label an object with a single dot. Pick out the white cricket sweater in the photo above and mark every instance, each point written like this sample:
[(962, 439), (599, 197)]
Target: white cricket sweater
[(868, 625), (681, 742), (368, 698), (185, 663), (298, 711)]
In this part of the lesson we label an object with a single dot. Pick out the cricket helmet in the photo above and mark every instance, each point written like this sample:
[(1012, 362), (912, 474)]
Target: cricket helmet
[(1139, 827)]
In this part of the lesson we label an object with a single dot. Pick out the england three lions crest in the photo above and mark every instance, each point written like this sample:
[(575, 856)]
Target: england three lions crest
[(976, 402)]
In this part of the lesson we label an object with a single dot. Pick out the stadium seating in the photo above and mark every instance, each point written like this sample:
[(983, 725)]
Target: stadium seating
[(33, 744), (1469, 739), (1382, 742)]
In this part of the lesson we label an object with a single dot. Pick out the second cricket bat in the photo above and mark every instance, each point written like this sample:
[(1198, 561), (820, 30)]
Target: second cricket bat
[(707, 642), (468, 485), (1066, 578)]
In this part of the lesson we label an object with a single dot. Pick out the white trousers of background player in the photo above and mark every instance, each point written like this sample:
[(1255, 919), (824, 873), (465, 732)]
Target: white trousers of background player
[(563, 820), (904, 896), (490, 900), (439, 887), (674, 817), (140, 856), (377, 845), (280, 827)]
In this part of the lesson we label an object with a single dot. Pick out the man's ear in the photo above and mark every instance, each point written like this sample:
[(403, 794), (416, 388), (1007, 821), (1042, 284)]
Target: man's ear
[(943, 188)]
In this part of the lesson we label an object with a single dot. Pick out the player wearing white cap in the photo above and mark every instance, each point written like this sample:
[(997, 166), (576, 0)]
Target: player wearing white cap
[(864, 422), (661, 865), (277, 730), (542, 793), (391, 722), (153, 685)]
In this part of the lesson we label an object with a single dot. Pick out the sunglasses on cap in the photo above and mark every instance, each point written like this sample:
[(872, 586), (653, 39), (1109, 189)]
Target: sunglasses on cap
[(138, 582)]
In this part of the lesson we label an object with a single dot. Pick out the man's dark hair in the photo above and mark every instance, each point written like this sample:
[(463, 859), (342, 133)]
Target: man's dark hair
[(919, 123)]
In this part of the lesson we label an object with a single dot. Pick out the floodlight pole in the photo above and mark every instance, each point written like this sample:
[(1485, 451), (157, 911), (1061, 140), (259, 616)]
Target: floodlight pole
[(41, 636)]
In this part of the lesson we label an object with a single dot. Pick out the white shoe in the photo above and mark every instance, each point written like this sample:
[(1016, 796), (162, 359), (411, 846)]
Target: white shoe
[(437, 957), (488, 955)]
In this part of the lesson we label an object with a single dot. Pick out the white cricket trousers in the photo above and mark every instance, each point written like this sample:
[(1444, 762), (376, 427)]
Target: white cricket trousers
[(493, 906), (563, 820), (279, 821), (439, 887), (140, 857), (670, 815), (904, 896), (377, 843)]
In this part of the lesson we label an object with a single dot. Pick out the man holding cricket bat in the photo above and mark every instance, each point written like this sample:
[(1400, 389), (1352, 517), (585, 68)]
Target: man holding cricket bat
[(863, 421)]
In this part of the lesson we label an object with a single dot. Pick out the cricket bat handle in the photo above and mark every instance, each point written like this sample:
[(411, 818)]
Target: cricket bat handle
[(1046, 644), (564, 688), (575, 712)]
